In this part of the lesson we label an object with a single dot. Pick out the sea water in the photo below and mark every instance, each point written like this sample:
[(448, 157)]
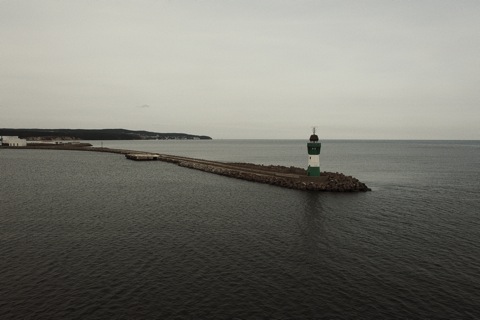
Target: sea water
[(87, 235)]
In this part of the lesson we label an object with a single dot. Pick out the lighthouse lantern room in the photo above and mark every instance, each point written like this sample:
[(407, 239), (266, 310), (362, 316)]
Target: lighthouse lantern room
[(313, 156)]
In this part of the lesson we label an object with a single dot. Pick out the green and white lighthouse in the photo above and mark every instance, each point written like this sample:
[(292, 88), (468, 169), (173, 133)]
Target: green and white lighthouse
[(313, 147)]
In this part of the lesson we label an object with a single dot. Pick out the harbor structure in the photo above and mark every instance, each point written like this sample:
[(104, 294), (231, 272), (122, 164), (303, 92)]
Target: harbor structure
[(313, 147), (142, 156), (13, 141), (287, 177)]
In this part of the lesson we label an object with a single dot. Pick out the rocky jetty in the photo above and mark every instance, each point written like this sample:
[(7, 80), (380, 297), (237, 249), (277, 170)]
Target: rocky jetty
[(286, 177)]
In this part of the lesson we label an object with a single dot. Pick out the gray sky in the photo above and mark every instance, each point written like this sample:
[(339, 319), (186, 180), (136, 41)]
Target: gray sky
[(244, 69)]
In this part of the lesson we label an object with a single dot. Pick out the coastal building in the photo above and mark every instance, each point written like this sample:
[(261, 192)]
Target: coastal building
[(313, 147), (13, 141)]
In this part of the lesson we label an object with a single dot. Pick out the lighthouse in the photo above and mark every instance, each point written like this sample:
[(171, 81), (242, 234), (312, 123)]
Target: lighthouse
[(313, 147)]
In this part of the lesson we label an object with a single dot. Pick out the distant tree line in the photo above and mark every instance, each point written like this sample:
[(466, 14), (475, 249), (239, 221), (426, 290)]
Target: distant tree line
[(97, 134)]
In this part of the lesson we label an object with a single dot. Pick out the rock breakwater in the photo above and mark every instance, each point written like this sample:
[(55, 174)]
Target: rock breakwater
[(282, 177), (286, 177)]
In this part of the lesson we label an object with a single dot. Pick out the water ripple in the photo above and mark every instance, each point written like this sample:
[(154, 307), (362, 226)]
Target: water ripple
[(92, 236)]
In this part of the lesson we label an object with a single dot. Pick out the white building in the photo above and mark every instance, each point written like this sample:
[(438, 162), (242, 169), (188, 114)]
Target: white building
[(12, 141)]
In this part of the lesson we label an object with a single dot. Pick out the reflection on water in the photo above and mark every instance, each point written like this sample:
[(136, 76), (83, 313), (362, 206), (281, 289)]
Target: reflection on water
[(314, 232)]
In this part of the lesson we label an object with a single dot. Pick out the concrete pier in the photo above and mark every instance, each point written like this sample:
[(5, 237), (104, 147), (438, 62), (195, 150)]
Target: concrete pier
[(142, 156)]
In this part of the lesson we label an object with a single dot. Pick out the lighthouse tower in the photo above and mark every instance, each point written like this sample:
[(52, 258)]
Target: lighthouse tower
[(313, 156)]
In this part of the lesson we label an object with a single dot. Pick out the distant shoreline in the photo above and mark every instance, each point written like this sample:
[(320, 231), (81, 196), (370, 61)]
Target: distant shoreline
[(96, 134)]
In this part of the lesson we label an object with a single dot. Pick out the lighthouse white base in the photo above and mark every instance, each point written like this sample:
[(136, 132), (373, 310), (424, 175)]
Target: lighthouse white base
[(314, 161), (313, 166)]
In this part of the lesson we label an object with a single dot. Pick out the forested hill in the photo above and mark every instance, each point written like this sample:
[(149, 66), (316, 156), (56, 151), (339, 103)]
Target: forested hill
[(96, 134)]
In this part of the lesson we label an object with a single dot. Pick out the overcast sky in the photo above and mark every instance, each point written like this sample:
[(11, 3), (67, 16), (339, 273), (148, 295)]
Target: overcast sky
[(244, 69)]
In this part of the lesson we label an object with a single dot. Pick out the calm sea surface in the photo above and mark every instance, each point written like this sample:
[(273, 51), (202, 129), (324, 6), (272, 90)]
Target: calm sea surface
[(87, 235)]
